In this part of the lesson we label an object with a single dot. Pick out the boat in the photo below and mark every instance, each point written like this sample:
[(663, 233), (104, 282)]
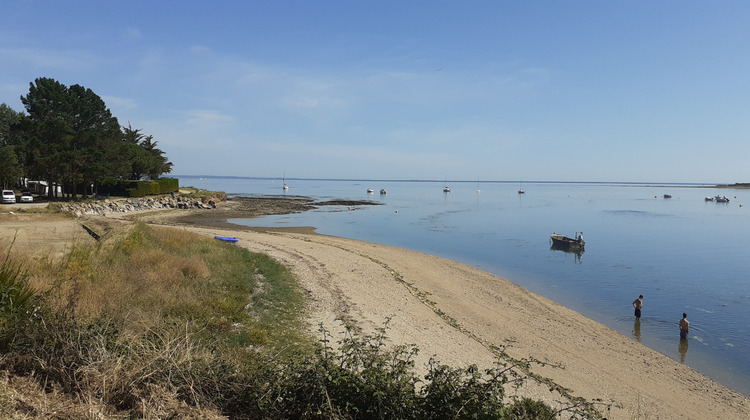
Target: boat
[(520, 189), (667, 196), (564, 242), (226, 238), (382, 191), (370, 191), (283, 179), (709, 199), (446, 189), (721, 199)]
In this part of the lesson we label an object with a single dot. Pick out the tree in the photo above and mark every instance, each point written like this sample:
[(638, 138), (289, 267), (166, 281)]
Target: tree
[(50, 129), (10, 169), (8, 118), (147, 160), (96, 135), (158, 162)]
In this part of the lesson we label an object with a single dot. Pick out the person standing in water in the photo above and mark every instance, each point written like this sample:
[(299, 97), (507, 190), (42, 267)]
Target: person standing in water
[(684, 327), (638, 305)]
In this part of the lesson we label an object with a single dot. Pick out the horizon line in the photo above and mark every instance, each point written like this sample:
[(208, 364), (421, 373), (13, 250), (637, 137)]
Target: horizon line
[(654, 183)]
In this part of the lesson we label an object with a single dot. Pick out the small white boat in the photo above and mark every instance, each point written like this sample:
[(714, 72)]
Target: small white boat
[(709, 199), (370, 191), (721, 199), (446, 189)]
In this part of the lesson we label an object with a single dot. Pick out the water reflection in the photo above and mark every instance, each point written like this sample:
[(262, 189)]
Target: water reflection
[(577, 252), (637, 330), (683, 348)]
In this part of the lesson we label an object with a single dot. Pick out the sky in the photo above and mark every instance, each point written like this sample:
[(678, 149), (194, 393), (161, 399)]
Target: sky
[(608, 91)]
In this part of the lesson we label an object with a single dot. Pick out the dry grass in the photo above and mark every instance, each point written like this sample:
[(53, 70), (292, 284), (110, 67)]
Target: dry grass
[(152, 322)]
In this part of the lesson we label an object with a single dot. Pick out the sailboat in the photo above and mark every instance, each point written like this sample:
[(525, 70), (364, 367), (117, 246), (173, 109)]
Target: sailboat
[(283, 179), (446, 189), (520, 188)]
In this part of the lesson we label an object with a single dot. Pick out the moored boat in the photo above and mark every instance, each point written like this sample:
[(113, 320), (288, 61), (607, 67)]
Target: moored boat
[(721, 199), (562, 241)]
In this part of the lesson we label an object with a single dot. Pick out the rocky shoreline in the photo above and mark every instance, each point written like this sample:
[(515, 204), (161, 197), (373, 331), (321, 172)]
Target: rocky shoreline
[(207, 212), (102, 208)]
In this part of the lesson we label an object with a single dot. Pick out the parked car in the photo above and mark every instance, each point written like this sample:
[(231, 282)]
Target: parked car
[(9, 197), (26, 197)]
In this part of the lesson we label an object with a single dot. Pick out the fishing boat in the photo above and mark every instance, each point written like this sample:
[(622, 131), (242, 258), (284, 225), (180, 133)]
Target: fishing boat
[(562, 241)]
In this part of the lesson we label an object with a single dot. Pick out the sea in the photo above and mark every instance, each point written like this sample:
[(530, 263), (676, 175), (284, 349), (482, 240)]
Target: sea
[(682, 253)]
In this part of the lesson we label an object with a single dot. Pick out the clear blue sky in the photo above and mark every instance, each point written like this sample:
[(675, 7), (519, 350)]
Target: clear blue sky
[(653, 91)]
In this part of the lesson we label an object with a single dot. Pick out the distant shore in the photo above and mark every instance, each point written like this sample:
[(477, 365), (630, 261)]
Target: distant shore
[(462, 315)]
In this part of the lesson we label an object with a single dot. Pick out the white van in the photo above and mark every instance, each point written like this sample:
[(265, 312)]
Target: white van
[(9, 197)]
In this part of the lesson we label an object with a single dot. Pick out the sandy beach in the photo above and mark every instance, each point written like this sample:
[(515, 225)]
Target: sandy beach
[(461, 316)]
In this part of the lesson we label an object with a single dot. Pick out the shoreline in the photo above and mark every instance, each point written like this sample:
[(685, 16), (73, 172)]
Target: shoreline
[(462, 315)]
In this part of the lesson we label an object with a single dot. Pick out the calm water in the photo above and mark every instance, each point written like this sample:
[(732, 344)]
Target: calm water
[(683, 254)]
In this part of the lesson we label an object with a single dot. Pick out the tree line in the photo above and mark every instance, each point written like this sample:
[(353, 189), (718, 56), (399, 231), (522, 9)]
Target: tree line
[(69, 138)]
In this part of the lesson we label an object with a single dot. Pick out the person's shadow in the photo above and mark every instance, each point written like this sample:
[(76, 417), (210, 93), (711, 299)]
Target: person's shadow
[(683, 348), (637, 329)]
